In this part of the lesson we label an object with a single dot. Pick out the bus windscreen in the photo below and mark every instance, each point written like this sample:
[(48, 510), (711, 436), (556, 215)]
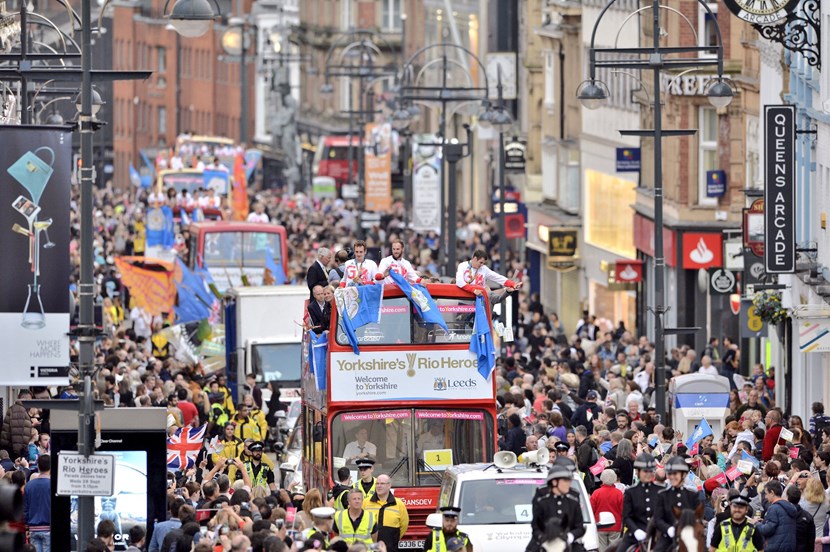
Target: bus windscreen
[(183, 181), (277, 362), (414, 446)]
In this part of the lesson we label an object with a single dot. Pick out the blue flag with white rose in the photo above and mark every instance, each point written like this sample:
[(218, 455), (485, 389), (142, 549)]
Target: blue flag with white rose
[(482, 342), (702, 430), (317, 349), (421, 300), (358, 306)]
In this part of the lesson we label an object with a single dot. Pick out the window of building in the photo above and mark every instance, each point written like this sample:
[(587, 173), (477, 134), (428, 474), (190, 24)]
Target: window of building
[(162, 122), (824, 89), (550, 81), (707, 151), (391, 15), (161, 56), (707, 34)]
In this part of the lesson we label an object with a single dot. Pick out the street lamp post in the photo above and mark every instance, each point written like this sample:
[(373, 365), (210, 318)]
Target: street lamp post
[(593, 93), (235, 43), (366, 47), (446, 91)]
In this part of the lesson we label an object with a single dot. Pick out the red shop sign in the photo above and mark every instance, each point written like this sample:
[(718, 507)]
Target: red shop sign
[(702, 250)]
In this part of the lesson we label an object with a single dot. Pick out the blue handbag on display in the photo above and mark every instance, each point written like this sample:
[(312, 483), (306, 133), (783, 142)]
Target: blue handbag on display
[(33, 172)]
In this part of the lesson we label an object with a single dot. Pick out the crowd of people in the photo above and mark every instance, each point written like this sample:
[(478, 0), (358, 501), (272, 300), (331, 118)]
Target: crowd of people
[(583, 395)]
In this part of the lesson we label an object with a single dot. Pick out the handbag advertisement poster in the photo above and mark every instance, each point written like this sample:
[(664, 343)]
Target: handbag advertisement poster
[(35, 172)]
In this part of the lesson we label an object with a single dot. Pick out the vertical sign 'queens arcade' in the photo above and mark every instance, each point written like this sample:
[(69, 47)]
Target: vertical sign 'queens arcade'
[(779, 249)]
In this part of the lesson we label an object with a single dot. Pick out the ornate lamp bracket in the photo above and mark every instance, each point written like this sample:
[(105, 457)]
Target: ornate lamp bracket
[(799, 32)]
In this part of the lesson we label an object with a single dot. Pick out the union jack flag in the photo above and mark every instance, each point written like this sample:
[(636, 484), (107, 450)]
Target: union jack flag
[(183, 447)]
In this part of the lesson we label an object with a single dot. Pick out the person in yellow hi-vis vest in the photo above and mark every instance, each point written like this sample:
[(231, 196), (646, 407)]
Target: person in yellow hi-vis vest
[(322, 521), (439, 540), (737, 534), (256, 415), (258, 472), (391, 513), (354, 524), (367, 484), (246, 428)]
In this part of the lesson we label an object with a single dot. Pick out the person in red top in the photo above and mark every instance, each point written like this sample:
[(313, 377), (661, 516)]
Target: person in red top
[(188, 409), (473, 275), (771, 437), (608, 498)]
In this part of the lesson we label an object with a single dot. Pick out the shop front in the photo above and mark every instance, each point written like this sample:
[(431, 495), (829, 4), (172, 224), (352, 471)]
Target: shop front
[(609, 238), (556, 277)]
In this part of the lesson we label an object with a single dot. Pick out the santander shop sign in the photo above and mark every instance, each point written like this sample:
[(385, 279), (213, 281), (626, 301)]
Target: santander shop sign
[(702, 250)]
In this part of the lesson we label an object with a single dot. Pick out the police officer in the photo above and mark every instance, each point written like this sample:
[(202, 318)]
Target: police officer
[(439, 540), (259, 473), (322, 519), (675, 496), (367, 483), (639, 503), (556, 514), (737, 534)]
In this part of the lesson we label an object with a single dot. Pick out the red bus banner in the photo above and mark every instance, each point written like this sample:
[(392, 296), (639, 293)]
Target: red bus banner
[(417, 375)]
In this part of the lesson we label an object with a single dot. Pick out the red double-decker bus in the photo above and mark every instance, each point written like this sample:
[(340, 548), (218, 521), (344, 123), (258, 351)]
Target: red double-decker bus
[(414, 394)]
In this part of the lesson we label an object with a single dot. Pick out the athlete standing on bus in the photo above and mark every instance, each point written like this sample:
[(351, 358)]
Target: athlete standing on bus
[(473, 275), (360, 270), (396, 262)]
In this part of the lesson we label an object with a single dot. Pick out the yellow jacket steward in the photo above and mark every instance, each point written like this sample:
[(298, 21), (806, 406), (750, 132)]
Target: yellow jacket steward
[(392, 516), (349, 533), (728, 542), (437, 542), (258, 417), (233, 449), (248, 428)]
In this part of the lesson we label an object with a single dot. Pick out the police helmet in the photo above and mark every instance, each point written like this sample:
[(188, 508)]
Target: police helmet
[(558, 472), (644, 461), (741, 499), (566, 463), (677, 464)]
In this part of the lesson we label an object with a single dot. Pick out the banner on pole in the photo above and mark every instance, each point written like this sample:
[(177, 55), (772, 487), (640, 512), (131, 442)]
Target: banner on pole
[(426, 184), (378, 166), (34, 295)]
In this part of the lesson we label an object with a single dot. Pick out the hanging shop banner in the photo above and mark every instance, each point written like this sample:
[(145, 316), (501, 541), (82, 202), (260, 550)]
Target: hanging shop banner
[(378, 169), (34, 297), (813, 335), (515, 155), (563, 248), (628, 272), (702, 250), (753, 227), (426, 184), (628, 159), (779, 192), (722, 281), (715, 183), (751, 323)]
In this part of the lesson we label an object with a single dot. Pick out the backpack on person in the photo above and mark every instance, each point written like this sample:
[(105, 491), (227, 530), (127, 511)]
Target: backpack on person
[(805, 531)]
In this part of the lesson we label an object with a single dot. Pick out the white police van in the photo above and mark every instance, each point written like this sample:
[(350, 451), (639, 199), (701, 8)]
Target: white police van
[(496, 501)]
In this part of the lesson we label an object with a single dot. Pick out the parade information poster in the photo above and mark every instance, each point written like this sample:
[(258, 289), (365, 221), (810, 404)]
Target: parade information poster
[(426, 184), (35, 165), (378, 169)]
